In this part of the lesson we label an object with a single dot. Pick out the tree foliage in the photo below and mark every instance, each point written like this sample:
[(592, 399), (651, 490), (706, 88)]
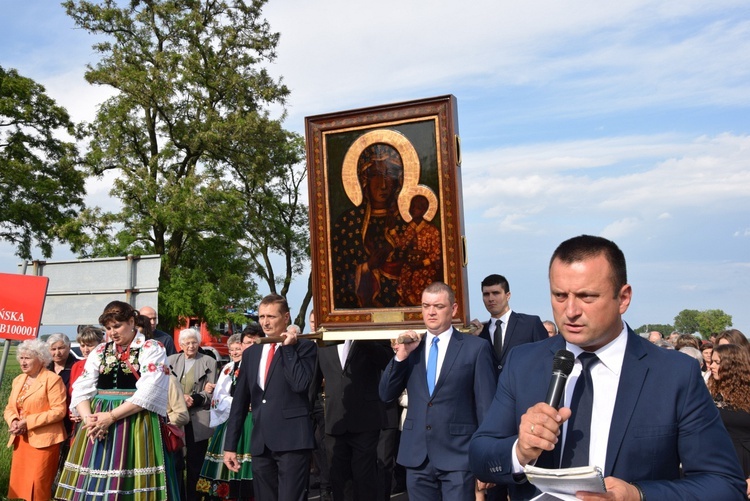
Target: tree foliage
[(187, 131), (40, 185), (686, 321), (705, 322), (713, 321)]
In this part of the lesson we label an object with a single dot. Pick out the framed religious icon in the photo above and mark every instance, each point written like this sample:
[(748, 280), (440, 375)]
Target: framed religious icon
[(386, 216)]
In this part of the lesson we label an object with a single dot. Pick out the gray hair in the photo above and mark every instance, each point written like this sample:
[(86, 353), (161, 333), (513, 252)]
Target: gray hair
[(234, 339), (663, 343), (58, 337), (37, 349), (186, 333), (693, 352)]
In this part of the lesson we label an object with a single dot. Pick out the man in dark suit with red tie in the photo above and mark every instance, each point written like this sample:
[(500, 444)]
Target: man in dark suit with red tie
[(513, 328), (275, 379)]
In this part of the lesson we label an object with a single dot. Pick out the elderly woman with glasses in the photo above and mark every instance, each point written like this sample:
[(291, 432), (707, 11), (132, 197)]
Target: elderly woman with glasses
[(194, 369), (34, 414)]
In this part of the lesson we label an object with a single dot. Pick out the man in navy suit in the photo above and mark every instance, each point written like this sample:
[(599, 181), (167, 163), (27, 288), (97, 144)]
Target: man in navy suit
[(514, 328), (275, 379), (654, 430), (450, 383)]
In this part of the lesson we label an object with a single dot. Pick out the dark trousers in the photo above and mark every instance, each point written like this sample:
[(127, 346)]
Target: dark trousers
[(319, 454), (196, 453), (354, 456), (427, 483), (281, 475), (387, 449)]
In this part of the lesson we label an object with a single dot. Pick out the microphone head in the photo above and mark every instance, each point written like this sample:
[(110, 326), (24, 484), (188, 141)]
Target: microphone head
[(563, 362)]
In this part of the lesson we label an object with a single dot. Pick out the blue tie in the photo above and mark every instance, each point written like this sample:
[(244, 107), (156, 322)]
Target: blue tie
[(432, 364), (578, 436)]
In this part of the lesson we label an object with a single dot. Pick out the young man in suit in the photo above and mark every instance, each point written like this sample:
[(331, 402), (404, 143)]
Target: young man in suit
[(514, 328), (651, 425), (450, 382), (275, 378)]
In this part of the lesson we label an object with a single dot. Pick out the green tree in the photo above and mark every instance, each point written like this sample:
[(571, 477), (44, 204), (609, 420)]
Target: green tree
[(705, 322), (190, 113), (713, 321), (40, 186), (686, 321)]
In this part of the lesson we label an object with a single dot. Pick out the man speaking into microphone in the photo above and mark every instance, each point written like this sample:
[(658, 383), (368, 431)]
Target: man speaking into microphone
[(640, 413)]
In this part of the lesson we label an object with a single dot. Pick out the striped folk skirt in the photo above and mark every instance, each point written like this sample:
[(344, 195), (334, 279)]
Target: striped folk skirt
[(127, 465), (216, 481)]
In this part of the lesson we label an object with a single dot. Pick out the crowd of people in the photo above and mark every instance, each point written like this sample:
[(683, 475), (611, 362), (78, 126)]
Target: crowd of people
[(659, 423)]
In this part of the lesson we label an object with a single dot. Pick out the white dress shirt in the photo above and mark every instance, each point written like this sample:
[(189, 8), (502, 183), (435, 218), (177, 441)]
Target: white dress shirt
[(263, 360), (493, 322), (606, 377)]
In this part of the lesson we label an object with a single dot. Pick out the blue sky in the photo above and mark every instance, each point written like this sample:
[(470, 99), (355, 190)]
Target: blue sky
[(629, 120)]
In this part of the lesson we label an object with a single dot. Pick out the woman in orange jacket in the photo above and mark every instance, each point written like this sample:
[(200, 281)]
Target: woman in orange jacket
[(35, 411)]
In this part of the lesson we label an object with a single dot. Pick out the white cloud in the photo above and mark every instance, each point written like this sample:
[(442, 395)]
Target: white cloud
[(653, 176), (618, 229)]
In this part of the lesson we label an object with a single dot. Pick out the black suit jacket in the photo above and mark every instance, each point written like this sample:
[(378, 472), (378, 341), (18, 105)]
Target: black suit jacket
[(521, 329), (281, 412), (352, 403)]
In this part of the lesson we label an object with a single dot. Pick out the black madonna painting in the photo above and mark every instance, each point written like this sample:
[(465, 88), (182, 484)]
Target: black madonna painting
[(386, 216)]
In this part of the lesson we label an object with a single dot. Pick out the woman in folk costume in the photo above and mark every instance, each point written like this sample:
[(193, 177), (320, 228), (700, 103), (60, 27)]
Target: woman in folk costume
[(117, 453), (216, 480)]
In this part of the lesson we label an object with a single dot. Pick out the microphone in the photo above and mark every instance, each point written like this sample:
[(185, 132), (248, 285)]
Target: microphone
[(562, 366)]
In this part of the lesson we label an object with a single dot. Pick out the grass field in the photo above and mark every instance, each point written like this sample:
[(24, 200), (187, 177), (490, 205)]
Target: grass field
[(12, 369)]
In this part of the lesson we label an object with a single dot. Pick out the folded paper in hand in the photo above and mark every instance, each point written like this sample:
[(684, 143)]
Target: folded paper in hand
[(563, 483)]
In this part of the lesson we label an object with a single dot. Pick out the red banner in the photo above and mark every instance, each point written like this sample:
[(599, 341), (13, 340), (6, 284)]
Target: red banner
[(21, 305)]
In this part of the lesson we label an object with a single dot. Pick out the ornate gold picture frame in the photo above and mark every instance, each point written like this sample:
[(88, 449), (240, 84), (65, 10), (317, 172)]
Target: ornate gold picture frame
[(386, 215)]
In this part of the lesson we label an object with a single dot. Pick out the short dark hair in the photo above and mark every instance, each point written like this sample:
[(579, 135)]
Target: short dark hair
[(275, 299), (496, 279), (438, 287), (252, 330), (583, 247)]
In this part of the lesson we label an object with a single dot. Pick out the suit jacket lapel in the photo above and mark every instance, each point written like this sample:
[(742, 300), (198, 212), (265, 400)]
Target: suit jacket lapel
[(454, 347), (179, 366), (36, 385), (253, 365), (634, 372), (512, 321), (202, 369)]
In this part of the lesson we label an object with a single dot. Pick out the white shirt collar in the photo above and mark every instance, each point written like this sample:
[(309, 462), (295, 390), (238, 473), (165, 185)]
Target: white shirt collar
[(505, 317), (612, 354), (444, 336)]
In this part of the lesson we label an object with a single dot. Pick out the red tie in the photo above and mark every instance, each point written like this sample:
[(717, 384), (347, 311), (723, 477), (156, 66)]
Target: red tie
[(269, 359)]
